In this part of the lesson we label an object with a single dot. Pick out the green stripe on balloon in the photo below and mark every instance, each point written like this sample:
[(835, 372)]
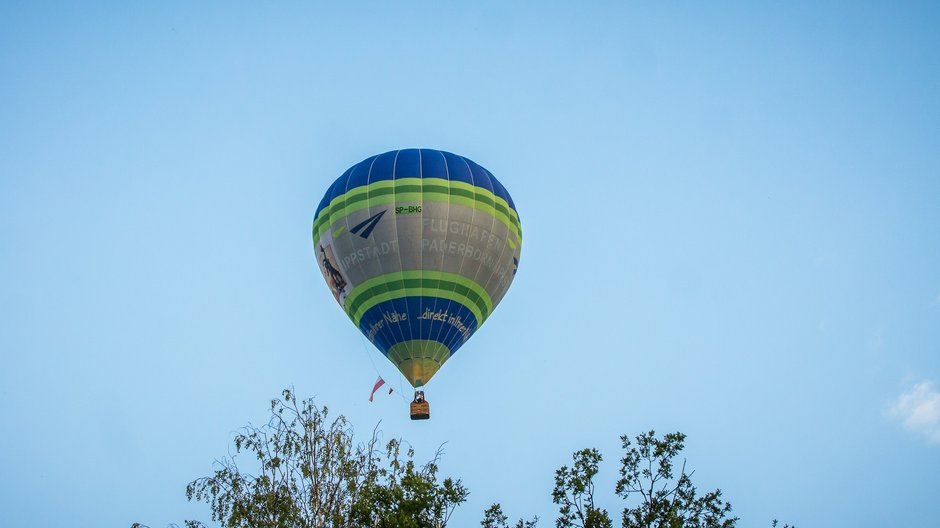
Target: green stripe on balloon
[(411, 190), (480, 206), (425, 275), (398, 289), (441, 183), (372, 201), (407, 193)]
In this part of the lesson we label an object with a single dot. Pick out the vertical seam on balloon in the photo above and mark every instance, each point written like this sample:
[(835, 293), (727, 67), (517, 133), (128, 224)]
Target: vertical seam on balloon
[(434, 309), (496, 261), (378, 261), (401, 333), (420, 251), (441, 268), (495, 272), (444, 327), (411, 330), (502, 292), (346, 229), (453, 329), (346, 222), (493, 221), (416, 322)]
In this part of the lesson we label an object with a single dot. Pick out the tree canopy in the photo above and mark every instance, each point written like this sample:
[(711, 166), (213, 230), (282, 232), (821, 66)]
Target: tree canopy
[(647, 471), (306, 470), (311, 473)]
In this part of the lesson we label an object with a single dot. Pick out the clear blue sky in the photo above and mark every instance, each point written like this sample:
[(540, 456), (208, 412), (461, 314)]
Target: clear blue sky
[(732, 229)]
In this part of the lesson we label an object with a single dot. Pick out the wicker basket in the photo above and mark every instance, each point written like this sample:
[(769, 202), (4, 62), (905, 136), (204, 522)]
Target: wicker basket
[(420, 410)]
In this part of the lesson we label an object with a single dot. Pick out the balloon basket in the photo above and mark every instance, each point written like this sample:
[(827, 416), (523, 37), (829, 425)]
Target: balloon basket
[(420, 410)]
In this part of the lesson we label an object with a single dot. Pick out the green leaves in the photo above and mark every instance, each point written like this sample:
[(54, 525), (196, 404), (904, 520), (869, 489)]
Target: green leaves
[(574, 492), (647, 471), (494, 517), (311, 473), (403, 494)]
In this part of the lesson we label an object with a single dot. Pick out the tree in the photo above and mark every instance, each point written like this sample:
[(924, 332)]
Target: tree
[(311, 474), (574, 492), (647, 470), (493, 517)]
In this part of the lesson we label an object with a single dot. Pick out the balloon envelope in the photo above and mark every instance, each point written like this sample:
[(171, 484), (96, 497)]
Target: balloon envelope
[(418, 246)]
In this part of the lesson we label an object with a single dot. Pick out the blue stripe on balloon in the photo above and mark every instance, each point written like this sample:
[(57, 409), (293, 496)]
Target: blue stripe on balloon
[(408, 164), (378, 321), (331, 192), (339, 188), (414, 163), (433, 164), (501, 191), (457, 168), (359, 174)]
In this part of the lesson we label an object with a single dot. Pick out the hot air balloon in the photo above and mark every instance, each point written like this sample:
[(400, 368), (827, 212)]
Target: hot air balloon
[(418, 246)]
